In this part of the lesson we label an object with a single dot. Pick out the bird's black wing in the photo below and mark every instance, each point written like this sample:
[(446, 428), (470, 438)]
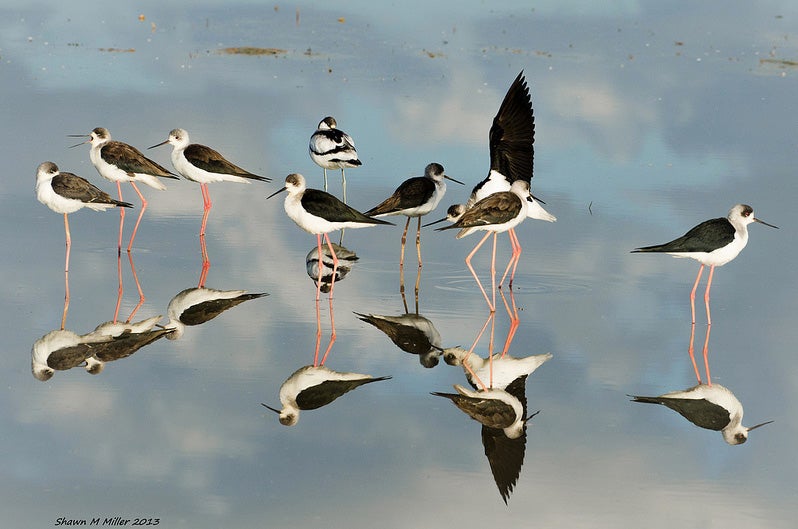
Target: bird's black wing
[(207, 310), (76, 187), (705, 237), (131, 160), (322, 394), (324, 205), (411, 193), (210, 160), (512, 135), (497, 208), (700, 412)]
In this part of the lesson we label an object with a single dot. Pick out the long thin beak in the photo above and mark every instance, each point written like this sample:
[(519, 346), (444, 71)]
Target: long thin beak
[(158, 145), (435, 222), (275, 193), (766, 224), (274, 410), (761, 424), (453, 180), (527, 419), (79, 136)]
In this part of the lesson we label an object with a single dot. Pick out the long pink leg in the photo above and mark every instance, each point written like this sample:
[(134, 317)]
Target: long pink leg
[(66, 272), (404, 240), (321, 266), (473, 273), (516, 256), (493, 272), (490, 351), (318, 333), (141, 214), (206, 263), (138, 287), (418, 243), (692, 356), (335, 264), (692, 292), (121, 217), (706, 295), (706, 355), (206, 207), (514, 321), (332, 333)]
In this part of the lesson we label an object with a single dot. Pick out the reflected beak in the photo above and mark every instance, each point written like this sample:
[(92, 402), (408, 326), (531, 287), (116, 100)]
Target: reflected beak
[(435, 222), (274, 410), (158, 145), (267, 198), (766, 224), (453, 180), (527, 419), (79, 136), (764, 423)]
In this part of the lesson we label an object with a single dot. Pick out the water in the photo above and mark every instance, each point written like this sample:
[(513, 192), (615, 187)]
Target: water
[(649, 120)]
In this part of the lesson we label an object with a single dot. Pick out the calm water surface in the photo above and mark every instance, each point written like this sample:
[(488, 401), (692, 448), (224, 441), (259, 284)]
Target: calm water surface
[(649, 119)]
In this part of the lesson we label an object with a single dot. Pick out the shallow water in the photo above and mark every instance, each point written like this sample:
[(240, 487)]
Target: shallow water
[(648, 121)]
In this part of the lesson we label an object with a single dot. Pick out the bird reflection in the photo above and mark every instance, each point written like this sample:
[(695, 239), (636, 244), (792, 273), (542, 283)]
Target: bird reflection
[(346, 261), (126, 339), (712, 407), (194, 306), (312, 386), (121, 289), (412, 333), (60, 350)]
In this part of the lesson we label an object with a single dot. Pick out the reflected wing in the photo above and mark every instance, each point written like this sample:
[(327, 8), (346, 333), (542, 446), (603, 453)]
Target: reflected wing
[(700, 412), (128, 343), (208, 310), (489, 412), (69, 357), (322, 394), (505, 457), (406, 337)]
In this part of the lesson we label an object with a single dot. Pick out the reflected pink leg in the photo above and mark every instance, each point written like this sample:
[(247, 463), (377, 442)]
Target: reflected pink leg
[(691, 352), (141, 214), (706, 355), (514, 321), (692, 292), (138, 287), (332, 334), (473, 273), (120, 289), (471, 350), (493, 272), (318, 334), (706, 293)]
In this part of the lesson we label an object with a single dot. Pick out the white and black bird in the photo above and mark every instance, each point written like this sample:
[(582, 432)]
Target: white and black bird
[(496, 213), (412, 333), (120, 162), (346, 261), (712, 407), (311, 387), (415, 197), (506, 368), (712, 243), (204, 165), (332, 148), (66, 193), (494, 408), (319, 212), (195, 306)]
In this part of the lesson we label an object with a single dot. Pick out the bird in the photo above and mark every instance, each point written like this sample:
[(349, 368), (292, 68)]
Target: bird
[(712, 243), (332, 148), (415, 197), (494, 408), (346, 261), (319, 212), (506, 368), (204, 165), (62, 349), (411, 333), (194, 306), (712, 407), (66, 193), (120, 162), (496, 213), (126, 339), (311, 387)]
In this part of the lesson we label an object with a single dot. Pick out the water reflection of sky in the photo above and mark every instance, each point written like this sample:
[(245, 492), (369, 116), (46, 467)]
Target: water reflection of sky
[(649, 119)]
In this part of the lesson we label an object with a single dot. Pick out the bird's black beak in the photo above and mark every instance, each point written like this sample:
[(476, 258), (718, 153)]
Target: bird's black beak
[(159, 144), (269, 407), (79, 136), (435, 222), (527, 419), (766, 224), (267, 198), (453, 180), (760, 424)]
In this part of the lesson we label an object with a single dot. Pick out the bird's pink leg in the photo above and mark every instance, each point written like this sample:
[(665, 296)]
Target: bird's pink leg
[(121, 217), (473, 273), (706, 295), (138, 287), (493, 272), (318, 334), (516, 256), (404, 240), (206, 207), (335, 264), (206, 262), (141, 214), (692, 292), (120, 290), (332, 334), (514, 320), (418, 243), (66, 272), (706, 355), (318, 280), (692, 356), (490, 351)]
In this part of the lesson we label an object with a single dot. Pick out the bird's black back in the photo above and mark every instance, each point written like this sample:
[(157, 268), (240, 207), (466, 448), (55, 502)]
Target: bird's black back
[(324, 205), (707, 236)]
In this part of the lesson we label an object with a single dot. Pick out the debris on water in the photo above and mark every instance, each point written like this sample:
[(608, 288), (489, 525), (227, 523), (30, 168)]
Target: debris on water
[(251, 50)]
